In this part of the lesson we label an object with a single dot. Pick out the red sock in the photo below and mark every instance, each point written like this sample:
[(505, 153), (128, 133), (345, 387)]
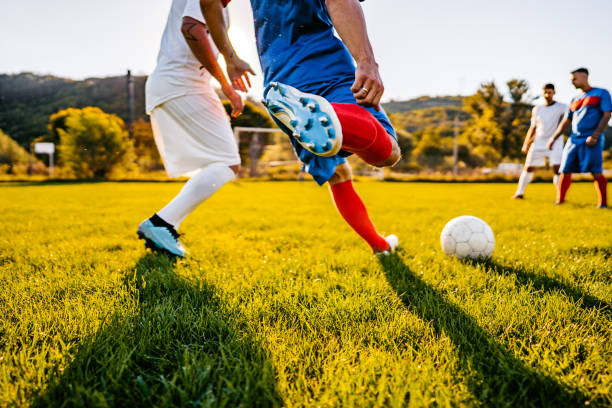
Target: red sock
[(355, 213), (362, 134), (564, 184), (601, 185)]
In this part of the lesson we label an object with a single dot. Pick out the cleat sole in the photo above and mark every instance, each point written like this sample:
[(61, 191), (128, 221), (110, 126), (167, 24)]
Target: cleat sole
[(310, 119), (154, 248)]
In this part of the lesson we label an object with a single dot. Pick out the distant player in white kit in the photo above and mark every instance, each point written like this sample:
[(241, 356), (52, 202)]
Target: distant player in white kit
[(190, 125), (544, 121)]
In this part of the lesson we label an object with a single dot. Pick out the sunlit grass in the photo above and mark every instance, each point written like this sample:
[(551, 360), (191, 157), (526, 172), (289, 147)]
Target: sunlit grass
[(281, 304)]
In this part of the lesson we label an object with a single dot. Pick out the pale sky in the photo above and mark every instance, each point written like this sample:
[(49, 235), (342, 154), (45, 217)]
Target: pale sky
[(436, 47)]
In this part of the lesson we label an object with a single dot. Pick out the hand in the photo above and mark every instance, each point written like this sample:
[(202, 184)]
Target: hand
[(525, 148), (368, 87), (592, 140), (550, 143), (234, 98), (237, 71)]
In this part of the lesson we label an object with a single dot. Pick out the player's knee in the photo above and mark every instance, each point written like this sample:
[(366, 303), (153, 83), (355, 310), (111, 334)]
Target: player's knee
[(343, 173), (235, 168), (394, 157)]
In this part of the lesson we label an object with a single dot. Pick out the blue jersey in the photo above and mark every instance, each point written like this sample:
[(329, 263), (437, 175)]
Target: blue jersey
[(586, 111), (297, 45)]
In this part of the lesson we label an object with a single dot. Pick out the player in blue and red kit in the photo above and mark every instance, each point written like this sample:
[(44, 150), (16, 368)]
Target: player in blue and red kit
[(588, 114), (323, 91)]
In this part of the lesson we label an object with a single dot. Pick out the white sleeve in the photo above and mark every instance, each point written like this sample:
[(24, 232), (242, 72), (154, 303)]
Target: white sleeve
[(193, 10)]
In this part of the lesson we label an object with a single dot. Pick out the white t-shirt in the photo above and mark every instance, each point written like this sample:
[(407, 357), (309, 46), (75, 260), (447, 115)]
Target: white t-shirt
[(178, 71), (546, 119)]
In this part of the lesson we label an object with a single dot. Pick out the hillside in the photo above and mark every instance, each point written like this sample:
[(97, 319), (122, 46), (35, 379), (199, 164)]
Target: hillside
[(27, 100), (424, 102)]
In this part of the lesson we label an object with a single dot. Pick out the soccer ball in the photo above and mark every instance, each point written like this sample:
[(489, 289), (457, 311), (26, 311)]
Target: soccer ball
[(467, 237)]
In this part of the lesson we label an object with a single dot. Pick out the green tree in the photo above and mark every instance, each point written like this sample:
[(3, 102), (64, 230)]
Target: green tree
[(252, 116), (517, 119), (485, 135), (147, 155), (92, 143), (11, 153), (497, 128), (431, 149), (487, 98)]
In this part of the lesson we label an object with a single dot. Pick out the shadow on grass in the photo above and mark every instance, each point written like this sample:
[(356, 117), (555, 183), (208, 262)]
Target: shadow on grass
[(546, 284), (182, 347), (494, 375), (605, 252)]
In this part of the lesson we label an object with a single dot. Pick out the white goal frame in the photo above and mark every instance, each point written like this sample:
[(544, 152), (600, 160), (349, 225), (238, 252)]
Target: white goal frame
[(377, 173)]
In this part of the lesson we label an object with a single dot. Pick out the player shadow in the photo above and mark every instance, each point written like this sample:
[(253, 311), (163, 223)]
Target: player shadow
[(494, 375), (180, 346), (544, 283), (605, 252)]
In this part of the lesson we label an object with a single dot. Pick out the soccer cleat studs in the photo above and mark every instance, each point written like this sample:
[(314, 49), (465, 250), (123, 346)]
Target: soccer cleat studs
[(310, 119)]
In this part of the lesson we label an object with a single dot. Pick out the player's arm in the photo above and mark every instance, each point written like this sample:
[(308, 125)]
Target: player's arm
[(196, 36), (563, 126), (349, 22), (531, 132), (529, 138), (592, 140), (237, 69)]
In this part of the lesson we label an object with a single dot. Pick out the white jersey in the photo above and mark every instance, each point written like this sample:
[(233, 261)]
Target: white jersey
[(178, 71), (546, 119)]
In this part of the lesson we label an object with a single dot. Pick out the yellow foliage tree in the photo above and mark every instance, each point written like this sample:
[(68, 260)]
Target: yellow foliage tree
[(92, 143), (11, 153)]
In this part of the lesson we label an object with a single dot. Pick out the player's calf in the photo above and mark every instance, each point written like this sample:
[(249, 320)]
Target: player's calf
[(365, 136), (394, 157)]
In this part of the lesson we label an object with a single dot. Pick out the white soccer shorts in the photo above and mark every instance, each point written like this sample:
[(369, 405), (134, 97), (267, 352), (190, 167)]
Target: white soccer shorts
[(537, 157), (192, 132)]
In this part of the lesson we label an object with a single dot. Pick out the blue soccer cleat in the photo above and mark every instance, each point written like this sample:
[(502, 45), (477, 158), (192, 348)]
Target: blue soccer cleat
[(310, 118), (160, 239)]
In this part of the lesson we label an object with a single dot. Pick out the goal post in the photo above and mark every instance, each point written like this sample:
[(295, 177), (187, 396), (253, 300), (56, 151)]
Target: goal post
[(269, 153)]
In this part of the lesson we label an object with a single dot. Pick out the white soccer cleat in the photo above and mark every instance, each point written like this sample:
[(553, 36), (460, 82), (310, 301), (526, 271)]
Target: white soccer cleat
[(393, 242)]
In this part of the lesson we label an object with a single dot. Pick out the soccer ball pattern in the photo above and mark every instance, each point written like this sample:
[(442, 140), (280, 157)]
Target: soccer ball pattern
[(467, 237)]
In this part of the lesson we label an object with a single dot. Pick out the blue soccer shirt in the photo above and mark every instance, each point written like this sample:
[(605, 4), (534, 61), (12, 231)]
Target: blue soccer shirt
[(297, 45), (586, 111)]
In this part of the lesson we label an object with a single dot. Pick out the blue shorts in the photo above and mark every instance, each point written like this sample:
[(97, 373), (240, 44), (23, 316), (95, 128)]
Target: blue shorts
[(322, 168), (580, 158)]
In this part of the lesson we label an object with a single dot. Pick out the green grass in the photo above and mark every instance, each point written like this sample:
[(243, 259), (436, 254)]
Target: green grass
[(281, 304)]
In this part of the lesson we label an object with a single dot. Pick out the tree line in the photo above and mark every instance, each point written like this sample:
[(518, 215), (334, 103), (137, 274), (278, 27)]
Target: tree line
[(93, 142)]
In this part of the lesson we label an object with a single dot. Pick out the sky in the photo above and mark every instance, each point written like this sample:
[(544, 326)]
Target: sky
[(435, 47)]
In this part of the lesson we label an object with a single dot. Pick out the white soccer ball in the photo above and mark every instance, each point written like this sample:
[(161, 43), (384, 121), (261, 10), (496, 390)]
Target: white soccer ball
[(467, 237)]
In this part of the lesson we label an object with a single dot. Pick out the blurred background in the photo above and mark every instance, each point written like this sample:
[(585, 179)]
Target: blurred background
[(460, 77)]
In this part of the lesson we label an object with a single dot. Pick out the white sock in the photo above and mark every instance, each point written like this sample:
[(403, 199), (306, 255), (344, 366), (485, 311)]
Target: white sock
[(525, 179), (197, 189), (556, 179)]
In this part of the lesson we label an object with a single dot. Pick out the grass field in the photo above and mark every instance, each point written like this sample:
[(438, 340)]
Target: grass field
[(281, 304)]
